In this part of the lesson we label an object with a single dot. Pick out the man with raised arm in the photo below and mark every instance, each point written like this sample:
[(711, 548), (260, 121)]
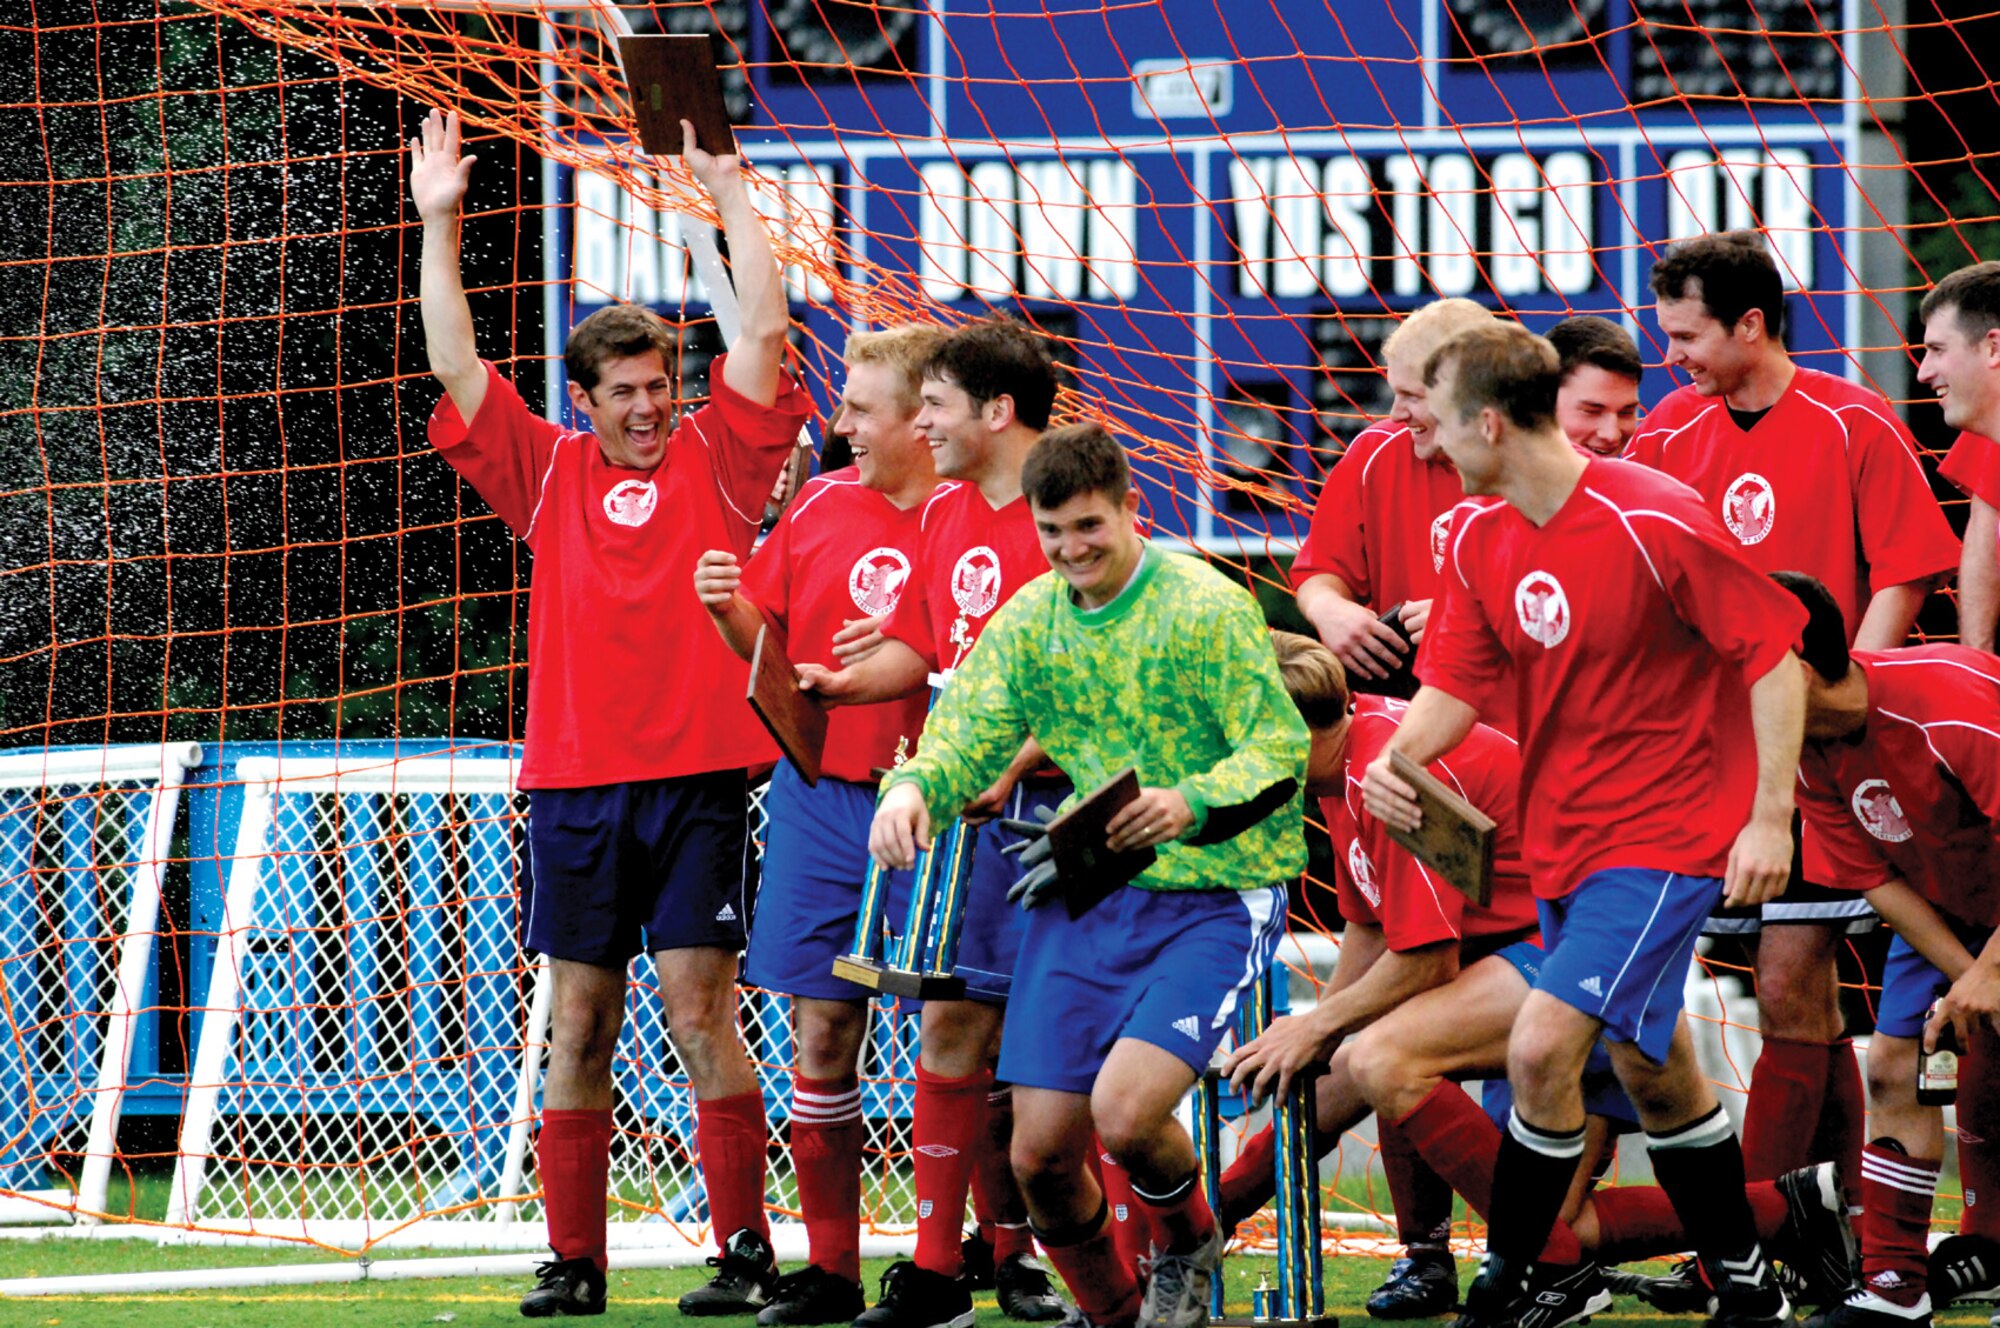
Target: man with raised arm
[(638, 738), (1640, 644), (1125, 657), (1809, 472), (833, 568), (987, 392), (1900, 782), (1376, 542)]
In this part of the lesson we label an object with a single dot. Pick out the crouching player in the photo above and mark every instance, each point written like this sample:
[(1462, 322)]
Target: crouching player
[(1127, 656), (1900, 782), (834, 566)]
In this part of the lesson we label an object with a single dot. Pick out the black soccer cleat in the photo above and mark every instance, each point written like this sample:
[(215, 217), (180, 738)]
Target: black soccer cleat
[(1817, 1241), (746, 1273), (1497, 1295), (1965, 1268), (975, 1262), (914, 1297), (565, 1287), (1685, 1290), (1864, 1309), (1026, 1293), (1766, 1307), (812, 1295), (1559, 1296), (1422, 1285)]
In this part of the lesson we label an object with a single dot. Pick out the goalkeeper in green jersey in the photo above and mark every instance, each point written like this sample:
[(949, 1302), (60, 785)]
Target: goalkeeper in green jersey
[(1126, 656)]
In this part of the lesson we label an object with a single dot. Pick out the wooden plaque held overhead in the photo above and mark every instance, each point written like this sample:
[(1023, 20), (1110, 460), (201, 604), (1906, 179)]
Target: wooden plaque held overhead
[(795, 718), (673, 78), (1455, 839)]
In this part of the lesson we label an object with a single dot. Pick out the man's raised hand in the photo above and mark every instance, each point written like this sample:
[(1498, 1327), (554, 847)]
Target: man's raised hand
[(438, 174), (718, 175)]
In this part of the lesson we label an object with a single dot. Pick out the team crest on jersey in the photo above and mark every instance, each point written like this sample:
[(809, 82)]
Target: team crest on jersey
[(975, 581), (1363, 872), (1875, 806), (631, 502), (1440, 534), (1750, 507), (876, 580), (1543, 608)]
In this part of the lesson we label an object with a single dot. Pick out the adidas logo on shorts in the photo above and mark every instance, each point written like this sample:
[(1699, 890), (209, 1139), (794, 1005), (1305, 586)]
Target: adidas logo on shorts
[(1189, 1025), (727, 914), (1593, 986)]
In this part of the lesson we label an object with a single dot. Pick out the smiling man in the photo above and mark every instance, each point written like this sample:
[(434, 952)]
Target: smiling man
[(1807, 472), (1597, 405), (1962, 366), (638, 742), (1125, 656)]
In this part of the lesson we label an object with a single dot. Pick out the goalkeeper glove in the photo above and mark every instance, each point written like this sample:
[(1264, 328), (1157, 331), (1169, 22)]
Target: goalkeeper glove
[(1041, 882)]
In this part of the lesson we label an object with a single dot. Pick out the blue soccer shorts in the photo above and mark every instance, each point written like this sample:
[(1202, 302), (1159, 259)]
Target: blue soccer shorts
[(1619, 946), (650, 865), (1603, 1095), (1168, 967), (1910, 983)]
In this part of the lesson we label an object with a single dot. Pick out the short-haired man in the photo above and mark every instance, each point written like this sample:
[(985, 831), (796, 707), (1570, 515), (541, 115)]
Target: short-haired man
[(832, 569), (1563, 570), (1811, 472), (988, 388), (1377, 541), (1127, 656), (1900, 781), (1597, 406), (1961, 365), (638, 820)]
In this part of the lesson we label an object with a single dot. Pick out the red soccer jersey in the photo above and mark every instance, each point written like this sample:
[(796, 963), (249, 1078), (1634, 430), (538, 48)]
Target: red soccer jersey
[(1916, 793), (1633, 626), (1379, 881), (975, 557), (1827, 483), (841, 552), (1973, 464), (1381, 520), (627, 677)]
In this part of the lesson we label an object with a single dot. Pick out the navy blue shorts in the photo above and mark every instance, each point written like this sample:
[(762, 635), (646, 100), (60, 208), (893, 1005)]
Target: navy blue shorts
[(656, 864), (989, 945), (1619, 946), (1167, 967), (1910, 983)]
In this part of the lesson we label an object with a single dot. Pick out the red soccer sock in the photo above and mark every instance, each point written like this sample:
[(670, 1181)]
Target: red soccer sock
[(1897, 1193), (1102, 1284), (1179, 1213), (1979, 1134), (733, 1137), (573, 1155), (1132, 1229), (826, 1154), (1843, 1120), (1787, 1095), (1639, 1221), (1422, 1197), (996, 1200), (1461, 1143), (1251, 1181), (947, 1122)]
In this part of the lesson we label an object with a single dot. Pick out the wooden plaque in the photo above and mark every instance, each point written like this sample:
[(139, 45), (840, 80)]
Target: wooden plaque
[(1089, 870), (670, 79), (795, 718), (1455, 839)]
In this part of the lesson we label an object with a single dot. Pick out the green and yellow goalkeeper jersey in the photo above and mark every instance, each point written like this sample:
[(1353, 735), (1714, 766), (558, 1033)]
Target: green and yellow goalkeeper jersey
[(1176, 677)]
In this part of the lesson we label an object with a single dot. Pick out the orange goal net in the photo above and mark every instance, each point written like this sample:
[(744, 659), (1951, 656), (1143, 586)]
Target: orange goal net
[(262, 656)]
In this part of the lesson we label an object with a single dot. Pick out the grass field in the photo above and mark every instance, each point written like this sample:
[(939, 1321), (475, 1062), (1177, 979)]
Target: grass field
[(641, 1297)]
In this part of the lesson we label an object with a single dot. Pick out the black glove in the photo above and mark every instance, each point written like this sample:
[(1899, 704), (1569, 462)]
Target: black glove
[(1041, 883)]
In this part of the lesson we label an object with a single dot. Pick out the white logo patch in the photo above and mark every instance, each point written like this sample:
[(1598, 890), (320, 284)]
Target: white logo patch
[(1593, 985), (1875, 806), (1189, 1025), (876, 580), (631, 502), (728, 914), (1750, 507), (1543, 608), (937, 1150), (1363, 872), (975, 581), (923, 1208), (1440, 535)]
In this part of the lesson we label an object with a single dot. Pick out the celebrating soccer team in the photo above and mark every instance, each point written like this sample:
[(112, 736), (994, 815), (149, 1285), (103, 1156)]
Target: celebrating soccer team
[(1665, 655)]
